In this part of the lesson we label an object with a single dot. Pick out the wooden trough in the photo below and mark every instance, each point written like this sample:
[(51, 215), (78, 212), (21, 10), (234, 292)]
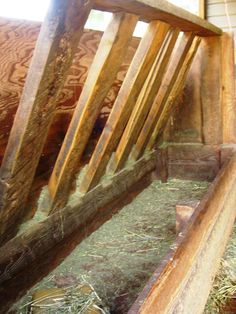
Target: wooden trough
[(180, 53)]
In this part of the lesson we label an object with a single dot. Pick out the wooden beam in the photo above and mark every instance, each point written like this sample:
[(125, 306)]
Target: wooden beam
[(210, 91), (228, 89), (144, 103), (184, 280), (169, 107), (19, 255), (123, 106), (176, 64), (57, 43), (101, 75), (161, 10)]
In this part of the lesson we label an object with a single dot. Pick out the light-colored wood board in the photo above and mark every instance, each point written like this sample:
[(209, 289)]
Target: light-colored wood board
[(176, 63), (102, 73), (124, 104), (170, 104), (144, 102)]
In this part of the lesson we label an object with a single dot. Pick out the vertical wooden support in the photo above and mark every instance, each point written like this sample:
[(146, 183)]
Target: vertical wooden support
[(134, 80), (174, 94), (211, 90), (144, 102), (101, 75), (57, 43), (176, 64), (228, 89)]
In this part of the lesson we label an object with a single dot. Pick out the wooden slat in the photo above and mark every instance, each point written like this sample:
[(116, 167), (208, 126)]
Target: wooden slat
[(175, 92), (123, 106), (144, 103), (184, 280), (175, 66), (228, 88), (101, 75), (57, 43), (20, 256), (161, 10)]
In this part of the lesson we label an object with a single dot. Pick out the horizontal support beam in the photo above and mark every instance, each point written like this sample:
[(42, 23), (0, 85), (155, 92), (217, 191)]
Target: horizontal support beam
[(19, 254), (161, 10), (183, 282)]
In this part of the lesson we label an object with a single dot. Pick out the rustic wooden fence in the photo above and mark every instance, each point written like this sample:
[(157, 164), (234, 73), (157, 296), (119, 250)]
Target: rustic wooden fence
[(146, 98)]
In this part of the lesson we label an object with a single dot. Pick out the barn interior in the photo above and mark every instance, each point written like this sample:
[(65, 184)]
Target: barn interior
[(117, 154)]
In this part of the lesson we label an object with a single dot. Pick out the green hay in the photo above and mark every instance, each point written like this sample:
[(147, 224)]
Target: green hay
[(224, 287), (119, 258)]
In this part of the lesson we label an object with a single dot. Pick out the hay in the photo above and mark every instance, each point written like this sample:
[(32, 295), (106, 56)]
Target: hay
[(224, 287), (119, 258)]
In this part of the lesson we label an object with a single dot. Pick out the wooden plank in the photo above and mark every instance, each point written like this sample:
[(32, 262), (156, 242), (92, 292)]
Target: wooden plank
[(18, 256), (57, 43), (189, 161), (183, 212), (211, 92), (169, 107), (228, 89), (202, 9), (123, 106), (161, 10), (184, 279), (174, 68), (101, 75), (144, 103)]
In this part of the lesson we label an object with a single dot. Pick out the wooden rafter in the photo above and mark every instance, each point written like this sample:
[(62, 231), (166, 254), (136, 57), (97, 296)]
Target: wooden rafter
[(101, 75), (175, 92), (57, 43), (176, 64), (144, 103), (128, 94)]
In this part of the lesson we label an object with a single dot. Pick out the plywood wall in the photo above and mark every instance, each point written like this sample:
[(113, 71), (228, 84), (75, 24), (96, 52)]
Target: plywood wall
[(17, 42)]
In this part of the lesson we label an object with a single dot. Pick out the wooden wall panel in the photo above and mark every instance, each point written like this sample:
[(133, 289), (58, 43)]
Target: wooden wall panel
[(17, 42)]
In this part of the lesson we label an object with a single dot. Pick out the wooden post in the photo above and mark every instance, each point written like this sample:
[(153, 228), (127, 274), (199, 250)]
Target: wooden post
[(228, 89), (57, 43)]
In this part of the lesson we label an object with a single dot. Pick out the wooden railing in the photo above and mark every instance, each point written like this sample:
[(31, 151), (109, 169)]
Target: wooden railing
[(143, 105)]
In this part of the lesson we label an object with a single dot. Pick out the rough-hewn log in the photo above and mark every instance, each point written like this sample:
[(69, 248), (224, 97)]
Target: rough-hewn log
[(37, 242), (125, 101), (57, 43), (161, 10), (101, 75), (183, 282)]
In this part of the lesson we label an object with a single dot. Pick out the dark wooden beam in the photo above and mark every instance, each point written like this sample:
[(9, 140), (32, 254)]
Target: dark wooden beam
[(57, 43), (161, 10)]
